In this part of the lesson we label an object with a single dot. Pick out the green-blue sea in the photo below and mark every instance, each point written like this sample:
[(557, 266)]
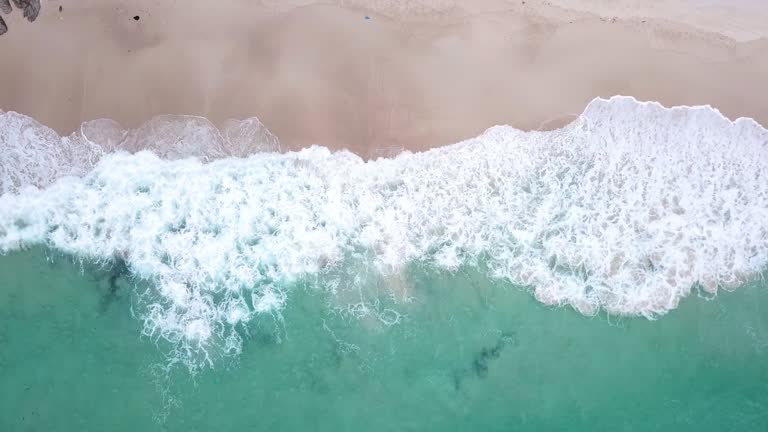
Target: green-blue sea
[(469, 354)]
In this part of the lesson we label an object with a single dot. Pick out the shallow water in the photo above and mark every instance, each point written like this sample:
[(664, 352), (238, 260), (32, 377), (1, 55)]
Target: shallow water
[(468, 354), (608, 275)]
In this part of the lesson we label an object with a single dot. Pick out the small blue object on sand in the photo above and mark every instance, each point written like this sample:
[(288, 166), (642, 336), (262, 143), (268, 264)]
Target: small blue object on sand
[(367, 17)]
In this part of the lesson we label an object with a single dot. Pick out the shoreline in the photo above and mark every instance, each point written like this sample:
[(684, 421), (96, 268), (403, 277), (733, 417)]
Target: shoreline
[(271, 143), (323, 74)]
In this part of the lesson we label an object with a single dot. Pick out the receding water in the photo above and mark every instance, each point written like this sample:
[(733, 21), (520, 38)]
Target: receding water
[(467, 354)]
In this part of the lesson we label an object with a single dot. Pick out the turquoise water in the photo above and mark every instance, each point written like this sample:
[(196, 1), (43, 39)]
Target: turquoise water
[(467, 354), (608, 275)]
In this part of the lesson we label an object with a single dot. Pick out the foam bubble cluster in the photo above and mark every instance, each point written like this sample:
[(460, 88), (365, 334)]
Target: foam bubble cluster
[(627, 209)]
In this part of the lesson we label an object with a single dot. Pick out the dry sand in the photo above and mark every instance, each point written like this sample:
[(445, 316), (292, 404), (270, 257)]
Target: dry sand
[(413, 74)]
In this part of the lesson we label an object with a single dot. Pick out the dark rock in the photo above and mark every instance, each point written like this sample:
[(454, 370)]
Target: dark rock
[(3, 27), (136, 18), (31, 8)]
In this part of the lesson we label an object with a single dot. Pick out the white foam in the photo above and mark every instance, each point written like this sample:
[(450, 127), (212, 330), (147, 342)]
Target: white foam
[(34, 155), (626, 210)]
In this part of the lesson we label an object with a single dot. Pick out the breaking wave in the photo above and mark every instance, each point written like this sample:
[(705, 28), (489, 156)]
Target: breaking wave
[(33, 154), (627, 209)]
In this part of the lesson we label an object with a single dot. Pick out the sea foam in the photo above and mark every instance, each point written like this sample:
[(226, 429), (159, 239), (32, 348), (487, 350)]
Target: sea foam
[(627, 209)]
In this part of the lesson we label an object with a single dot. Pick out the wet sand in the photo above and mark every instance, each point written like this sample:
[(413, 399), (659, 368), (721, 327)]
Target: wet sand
[(378, 76)]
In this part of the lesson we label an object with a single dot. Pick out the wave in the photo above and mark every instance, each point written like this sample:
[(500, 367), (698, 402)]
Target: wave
[(627, 209), (34, 154)]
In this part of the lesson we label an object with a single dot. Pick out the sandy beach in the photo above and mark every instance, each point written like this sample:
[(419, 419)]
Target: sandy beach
[(547, 223), (378, 76)]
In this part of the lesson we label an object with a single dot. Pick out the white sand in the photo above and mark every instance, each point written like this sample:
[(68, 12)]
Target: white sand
[(416, 74)]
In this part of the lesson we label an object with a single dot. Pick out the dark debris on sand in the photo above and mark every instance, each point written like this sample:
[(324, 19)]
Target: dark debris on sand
[(5, 6), (30, 8)]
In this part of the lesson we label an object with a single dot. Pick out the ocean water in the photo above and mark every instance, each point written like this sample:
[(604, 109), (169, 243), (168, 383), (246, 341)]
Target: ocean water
[(608, 275)]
